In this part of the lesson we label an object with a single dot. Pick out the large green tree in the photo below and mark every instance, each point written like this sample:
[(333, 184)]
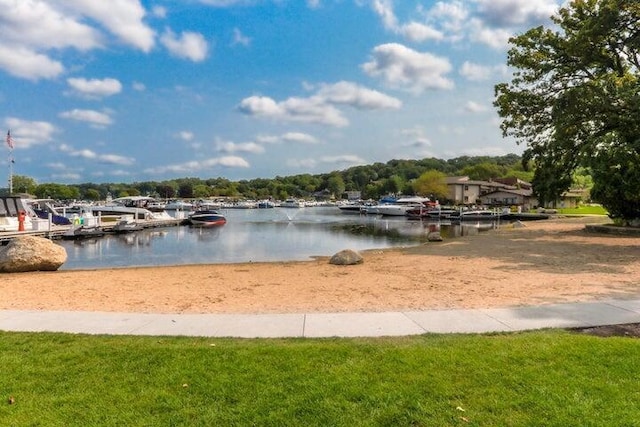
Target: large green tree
[(24, 184), (432, 183), (574, 100)]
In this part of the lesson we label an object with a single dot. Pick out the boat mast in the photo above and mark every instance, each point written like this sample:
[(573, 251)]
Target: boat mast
[(11, 161)]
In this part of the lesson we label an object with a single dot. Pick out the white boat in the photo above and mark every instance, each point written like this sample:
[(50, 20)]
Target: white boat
[(351, 207), (126, 224), (140, 207), (397, 208), (292, 203), (10, 208), (178, 205)]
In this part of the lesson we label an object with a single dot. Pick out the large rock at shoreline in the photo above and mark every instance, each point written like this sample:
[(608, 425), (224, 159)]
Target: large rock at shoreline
[(346, 257), (30, 253)]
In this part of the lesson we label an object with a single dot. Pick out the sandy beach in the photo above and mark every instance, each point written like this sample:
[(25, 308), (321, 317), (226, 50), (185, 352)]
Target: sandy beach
[(542, 262)]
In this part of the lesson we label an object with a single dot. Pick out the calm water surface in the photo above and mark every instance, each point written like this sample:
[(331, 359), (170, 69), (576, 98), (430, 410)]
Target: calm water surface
[(277, 234)]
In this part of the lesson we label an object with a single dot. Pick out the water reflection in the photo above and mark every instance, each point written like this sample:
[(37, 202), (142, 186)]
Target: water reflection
[(257, 235)]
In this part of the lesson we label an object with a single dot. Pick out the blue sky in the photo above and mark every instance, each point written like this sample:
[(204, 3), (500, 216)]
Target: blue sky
[(129, 90)]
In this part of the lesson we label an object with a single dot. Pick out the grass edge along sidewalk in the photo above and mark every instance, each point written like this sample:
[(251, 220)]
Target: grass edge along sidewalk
[(550, 377)]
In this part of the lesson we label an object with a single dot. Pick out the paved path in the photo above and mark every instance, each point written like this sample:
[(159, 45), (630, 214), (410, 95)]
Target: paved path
[(314, 325)]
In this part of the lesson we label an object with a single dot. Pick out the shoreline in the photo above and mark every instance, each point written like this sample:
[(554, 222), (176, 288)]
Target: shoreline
[(544, 262)]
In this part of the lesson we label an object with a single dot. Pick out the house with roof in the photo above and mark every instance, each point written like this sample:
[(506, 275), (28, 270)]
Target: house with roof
[(496, 192)]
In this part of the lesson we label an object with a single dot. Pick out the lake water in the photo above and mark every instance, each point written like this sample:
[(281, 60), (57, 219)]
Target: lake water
[(253, 235)]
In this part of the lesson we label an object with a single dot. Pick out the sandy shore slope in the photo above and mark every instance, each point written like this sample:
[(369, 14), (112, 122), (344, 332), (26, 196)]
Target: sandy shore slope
[(544, 262)]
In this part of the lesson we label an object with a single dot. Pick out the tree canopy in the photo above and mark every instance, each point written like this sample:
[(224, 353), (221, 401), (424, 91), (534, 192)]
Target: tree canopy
[(574, 100)]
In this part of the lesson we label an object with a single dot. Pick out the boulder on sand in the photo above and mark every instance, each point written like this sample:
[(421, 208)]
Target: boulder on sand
[(346, 257), (31, 253)]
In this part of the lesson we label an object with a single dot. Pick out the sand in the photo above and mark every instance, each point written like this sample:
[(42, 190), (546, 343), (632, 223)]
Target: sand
[(544, 262)]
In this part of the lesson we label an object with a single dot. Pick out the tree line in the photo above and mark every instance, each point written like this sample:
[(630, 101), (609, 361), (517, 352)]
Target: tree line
[(372, 181)]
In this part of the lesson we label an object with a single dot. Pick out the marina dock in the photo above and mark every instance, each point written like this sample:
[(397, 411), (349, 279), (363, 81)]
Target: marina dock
[(54, 232)]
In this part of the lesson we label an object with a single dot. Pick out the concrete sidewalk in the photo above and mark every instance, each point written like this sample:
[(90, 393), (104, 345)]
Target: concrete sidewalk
[(314, 325)]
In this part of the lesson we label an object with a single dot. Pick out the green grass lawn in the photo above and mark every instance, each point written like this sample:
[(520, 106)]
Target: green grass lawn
[(552, 378), (584, 210)]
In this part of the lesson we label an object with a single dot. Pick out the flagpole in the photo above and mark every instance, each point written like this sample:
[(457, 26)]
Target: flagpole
[(10, 171), (11, 161)]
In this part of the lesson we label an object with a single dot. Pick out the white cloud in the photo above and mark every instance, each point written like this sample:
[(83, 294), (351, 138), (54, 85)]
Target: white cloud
[(239, 38), (414, 31), (405, 68), (159, 11), (111, 159), (95, 88), (93, 117), (299, 137), (496, 38), (475, 72), (320, 107), (123, 18), (344, 160), (189, 45), (484, 151), (186, 135), (226, 3), (507, 13), (415, 137), (289, 137), (357, 96), (474, 107), (138, 87), (39, 24), (244, 147), (306, 164), (419, 143), (306, 110), (56, 165), (69, 176), (115, 159), (27, 133), (198, 165), (31, 28), (417, 32), (452, 17), (25, 63)]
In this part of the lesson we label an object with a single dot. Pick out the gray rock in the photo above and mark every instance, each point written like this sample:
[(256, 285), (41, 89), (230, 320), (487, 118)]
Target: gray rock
[(434, 236), (346, 257), (30, 253)]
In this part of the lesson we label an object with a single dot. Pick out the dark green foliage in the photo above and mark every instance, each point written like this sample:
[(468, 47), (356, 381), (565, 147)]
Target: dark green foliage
[(575, 90)]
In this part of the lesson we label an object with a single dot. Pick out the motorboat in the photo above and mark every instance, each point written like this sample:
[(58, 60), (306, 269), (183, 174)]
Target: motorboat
[(83, 226), (292, 203), (141, 207), (126, 224), (266, 204), (207, 218), (179, 205), (83, 232), (399, 207), (11, 209), (354, 207), (45, 209)]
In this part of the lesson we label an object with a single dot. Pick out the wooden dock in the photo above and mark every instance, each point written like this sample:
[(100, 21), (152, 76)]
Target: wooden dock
[(54, 232)]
